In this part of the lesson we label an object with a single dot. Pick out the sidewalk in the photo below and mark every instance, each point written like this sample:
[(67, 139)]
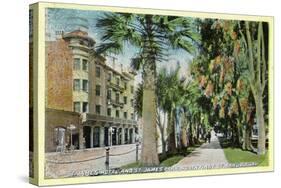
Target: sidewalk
[(210, 154)]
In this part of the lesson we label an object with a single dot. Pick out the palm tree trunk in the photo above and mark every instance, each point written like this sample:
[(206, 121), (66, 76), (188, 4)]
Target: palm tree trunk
[(149, 155), (172, 136), (183, 140), (247, 134), (161, 127), (247, 138), (164, 153), (260, 122), (197, 132), (191, 142)]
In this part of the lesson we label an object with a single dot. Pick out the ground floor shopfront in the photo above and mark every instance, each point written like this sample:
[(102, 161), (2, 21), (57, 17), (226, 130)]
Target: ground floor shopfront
[(101, 134), (68, 130)]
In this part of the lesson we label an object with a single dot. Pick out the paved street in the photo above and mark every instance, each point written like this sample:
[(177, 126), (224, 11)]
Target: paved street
[(210, 154), (82, 162)]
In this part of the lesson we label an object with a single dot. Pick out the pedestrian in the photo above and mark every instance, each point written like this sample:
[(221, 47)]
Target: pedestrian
[(209, 136)]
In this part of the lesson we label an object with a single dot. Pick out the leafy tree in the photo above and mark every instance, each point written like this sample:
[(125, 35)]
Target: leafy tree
[(254, 52), (231, 70), (152, 36)]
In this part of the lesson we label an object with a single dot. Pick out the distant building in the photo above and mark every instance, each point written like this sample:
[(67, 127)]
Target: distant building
[(84, 91)]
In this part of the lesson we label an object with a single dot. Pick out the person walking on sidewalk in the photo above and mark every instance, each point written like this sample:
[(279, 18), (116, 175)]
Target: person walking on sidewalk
[(209, 136)]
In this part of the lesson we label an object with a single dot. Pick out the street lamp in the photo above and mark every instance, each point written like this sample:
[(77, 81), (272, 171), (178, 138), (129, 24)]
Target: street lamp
[(71, 127)]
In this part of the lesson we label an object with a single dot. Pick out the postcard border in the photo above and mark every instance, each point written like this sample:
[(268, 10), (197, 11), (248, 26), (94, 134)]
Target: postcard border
[(39, 93)]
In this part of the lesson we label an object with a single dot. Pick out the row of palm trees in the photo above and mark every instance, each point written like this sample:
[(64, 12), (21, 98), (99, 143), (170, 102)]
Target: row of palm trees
[(179, 117), (165, 92)]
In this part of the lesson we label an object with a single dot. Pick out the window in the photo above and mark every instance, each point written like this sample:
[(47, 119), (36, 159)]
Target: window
[(130, 136), (98, 71), (85, 107), (109, 94), (117, 97), (76, 85), (85, 65), (98, 91), (125, 100), (109, 76), (125, 85), (118, 81), (117, 113), (109, 112), (132, 89), (85, 85), (126, 135), (132, 116), (76, 106), (59, 136), (81, 42), (132, 102), (125, 115), (98, 109), (76, 65)]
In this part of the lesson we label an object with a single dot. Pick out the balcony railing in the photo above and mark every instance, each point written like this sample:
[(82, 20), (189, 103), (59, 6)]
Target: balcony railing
[(115, 103), (95, 117), (114, 86)]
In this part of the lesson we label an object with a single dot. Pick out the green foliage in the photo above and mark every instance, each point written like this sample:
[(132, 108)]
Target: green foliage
[(152, 35), (132, 165), (138, 98), (236, 155), (170, 89), (171, 161)]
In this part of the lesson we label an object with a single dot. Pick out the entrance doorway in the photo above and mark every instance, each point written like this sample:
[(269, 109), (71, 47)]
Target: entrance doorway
[(87, 136), (96, 140), (114, 136), (106, 141), (131, 136), (75, 140), (119, 136)]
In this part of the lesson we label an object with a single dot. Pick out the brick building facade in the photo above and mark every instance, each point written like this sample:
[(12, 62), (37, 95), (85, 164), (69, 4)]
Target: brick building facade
[(89, 102)]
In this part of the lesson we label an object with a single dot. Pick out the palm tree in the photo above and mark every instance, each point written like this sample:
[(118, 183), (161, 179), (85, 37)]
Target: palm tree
[(152, 36), (168, 91), (170, 100), (192, 107)]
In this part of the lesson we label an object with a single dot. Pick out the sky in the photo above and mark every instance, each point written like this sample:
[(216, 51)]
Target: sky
[(69, 19)]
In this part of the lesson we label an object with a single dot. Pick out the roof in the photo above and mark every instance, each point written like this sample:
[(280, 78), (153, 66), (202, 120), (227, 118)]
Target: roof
[(79, 34)]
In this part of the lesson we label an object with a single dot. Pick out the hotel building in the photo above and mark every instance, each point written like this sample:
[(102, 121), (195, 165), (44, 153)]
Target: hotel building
[(89, 102)]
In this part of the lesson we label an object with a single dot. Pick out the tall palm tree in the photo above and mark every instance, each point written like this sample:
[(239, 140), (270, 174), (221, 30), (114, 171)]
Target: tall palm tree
[(169, 92), (169, 99), (152, 36)]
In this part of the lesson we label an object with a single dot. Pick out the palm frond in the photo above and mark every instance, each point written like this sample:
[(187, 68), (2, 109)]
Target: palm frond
[(118, 29)]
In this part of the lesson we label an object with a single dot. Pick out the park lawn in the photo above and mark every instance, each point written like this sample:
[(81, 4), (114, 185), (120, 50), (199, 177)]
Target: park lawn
[(131, 165), (169, 161), (237, 155)]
